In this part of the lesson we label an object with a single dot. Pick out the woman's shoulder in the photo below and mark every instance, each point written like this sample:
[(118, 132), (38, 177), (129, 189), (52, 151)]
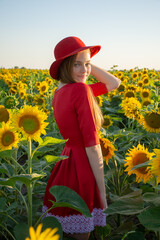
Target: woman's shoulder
[(80, 86)]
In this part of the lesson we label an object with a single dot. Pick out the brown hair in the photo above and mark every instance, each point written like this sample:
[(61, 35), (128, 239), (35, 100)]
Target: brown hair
[(65, 76)]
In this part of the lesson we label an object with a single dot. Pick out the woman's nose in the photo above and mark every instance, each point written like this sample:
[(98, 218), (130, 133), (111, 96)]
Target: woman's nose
[(84, 68)]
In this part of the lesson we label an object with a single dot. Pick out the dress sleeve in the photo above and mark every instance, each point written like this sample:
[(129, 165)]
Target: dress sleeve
[(98, 88), (83, 108)]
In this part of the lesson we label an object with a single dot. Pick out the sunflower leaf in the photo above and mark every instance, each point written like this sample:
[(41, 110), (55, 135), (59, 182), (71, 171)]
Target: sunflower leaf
[(24, 178), (150, 218), (51, 141), (152, 197), (145, 164), (52, 222), (51, 159), (129, 204), (6, 154), (66, 197)]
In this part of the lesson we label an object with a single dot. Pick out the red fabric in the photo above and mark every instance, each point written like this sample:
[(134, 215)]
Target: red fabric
[(98, 88), (74, 117)]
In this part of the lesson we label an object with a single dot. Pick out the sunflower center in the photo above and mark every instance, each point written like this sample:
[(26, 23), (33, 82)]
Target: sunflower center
[(43, 89), (4, 115), (138, 159), (153, 120), (129, 94), (107, 122), (145, 94), (105, 150), (29, 123), (7, 138)]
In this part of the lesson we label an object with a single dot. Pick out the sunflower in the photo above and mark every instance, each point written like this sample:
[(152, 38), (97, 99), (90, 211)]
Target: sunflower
[(129, 94), (10, 101), (43, 88), (146, 102), (47, 234), (145, 93), (155, 165), (121, 88), (107, 121), (37, 84), (145, 81), (49, 81), (138, 155), (140, 83), (8, 137), (119, 74), (131, 87), (22, 93), (99, 100), (107, 149), (13, 91), (131, 107), (30, 121), (134, 75), (151, 121), (4, 114), (39, 100)]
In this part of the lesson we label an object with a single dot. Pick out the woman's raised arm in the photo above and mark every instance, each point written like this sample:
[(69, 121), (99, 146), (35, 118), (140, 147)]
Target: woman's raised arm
[(105, 77)]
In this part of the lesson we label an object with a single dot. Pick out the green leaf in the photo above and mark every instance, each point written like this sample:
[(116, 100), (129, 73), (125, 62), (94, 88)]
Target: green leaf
[(2, 204), (21, 231), (145, 164), (150, 218), (51, 141), (134, 235), (129, 204), (50, 158), (66, 197), (52, 222), (24, 178), (6, 154), (7, 182), (152, 197)]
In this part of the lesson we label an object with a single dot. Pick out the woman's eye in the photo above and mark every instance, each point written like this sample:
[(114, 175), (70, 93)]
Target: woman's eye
[(76, 64), (88, 64)]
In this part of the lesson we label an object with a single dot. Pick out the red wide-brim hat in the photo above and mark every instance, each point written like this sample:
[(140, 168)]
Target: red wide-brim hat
[(68, 47)]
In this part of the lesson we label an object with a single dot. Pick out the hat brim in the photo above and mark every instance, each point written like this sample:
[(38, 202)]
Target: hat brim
[(55, 65)]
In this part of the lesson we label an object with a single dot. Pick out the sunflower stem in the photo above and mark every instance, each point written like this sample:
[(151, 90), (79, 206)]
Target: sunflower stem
[(42, 216), (29, 188)]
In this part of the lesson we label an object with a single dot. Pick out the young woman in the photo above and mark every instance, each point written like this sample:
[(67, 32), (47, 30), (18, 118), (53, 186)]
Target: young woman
[(79, 118)]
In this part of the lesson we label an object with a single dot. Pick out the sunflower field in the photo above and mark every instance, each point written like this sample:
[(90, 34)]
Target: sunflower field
[(31, 144)]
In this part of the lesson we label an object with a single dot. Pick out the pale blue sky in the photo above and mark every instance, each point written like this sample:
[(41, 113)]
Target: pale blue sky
[(127, 30)]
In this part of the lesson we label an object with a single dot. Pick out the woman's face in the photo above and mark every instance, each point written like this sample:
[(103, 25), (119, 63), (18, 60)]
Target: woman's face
[(81, 67)]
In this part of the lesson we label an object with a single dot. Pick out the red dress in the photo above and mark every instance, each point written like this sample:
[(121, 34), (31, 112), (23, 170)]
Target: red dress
[(74, 117)]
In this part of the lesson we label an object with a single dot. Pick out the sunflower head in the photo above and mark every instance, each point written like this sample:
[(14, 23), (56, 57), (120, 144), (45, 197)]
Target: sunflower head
[(155, 165), (38, 234), (131, 107), (43, 88), (107, 121), (145, 93), (30, 121), (151, 121), (146, 81), (129, 94), (8, 137), (135, 156), (146, 102), (10, 102), (107, 149), (4, 114), (99, 100)]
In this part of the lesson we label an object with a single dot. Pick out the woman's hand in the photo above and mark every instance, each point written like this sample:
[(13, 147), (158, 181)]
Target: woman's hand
[(105, 77)]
